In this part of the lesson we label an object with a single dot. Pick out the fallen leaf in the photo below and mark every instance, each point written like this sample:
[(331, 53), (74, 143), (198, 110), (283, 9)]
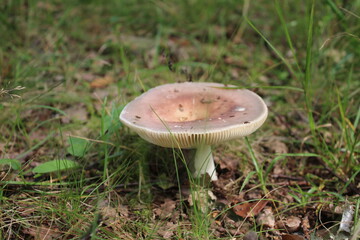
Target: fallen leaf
[(234, 61), (38, 135), (123, 210), (167, 231), (306, 226), (166, 209), (76, 112), (235, 73), (347, 219), (251, 235), (328, 137), (150, 58), (183, 42), (84, 76), (112, 218), (5, 69), (2, 147), (335, 54), (275, 145), (46, 6), (102, 82), (266, 218), (255, 194), (231, 163), (292, 237), (109, 214), (249, 209), (101, 93), (293, 223), (42, 232)]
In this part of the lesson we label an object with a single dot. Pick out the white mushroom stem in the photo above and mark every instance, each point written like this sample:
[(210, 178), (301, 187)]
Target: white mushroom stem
[(204, 162)]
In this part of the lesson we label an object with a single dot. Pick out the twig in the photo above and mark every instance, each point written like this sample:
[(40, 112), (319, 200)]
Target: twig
[(282, 176)]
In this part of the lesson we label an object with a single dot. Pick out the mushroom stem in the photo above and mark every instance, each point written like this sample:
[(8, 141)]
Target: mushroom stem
[(204, 162)]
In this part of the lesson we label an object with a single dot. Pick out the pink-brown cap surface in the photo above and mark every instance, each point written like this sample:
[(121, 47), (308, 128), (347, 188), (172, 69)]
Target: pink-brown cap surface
[(188, 114)]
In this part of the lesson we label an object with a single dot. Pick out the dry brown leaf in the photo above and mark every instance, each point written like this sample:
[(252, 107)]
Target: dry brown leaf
[(77, 112), (290, 224), (255, 194), (42, 232), (166, 209), (150, 57), (5, 69), (292, 237), (123, 210), (275, 145), (266, 218), (2, 147), (111, 217), (46, 6), (109, 212), (234, 61), (38, 135), (85, 76), (167, 231), (251, 235), (335, 54), (249, 209), (180, 41), (306, 226), (102, 82), (293, 223), (101, 93), (231, 163)]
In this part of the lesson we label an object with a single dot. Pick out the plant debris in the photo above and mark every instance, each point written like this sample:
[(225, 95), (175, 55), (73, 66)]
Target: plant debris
[(67, 69), (249, 209)]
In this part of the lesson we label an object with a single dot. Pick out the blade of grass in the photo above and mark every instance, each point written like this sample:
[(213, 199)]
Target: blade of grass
[(286, 31), (287, 64), (50, 108), (104, 138), (246, 180), (281, 156), (258, 167), (50, 135), (351, 180), (345, 122), (308, 72), (335, 9)]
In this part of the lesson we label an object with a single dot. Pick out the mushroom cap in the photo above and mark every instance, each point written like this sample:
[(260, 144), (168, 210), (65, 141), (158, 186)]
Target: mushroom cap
[(188, 114)]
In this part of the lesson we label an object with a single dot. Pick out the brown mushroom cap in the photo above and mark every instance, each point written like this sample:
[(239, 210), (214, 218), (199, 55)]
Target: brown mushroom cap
[(188, 114)]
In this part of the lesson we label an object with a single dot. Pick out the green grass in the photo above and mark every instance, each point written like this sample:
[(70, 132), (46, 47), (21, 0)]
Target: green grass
[(302, 58)]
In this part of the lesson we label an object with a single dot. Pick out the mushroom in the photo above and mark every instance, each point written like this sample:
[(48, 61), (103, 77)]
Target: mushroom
[(195, 115)]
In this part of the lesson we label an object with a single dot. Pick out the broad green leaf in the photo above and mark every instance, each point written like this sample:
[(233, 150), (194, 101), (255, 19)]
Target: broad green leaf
[(55, 165), (13, 163), (78, 146)]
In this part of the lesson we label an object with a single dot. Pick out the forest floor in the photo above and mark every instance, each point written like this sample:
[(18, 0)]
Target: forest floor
[(70, 170)]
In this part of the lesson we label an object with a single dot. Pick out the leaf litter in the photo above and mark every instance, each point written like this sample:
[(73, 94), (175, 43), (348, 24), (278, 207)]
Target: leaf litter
[(236, 207), (102, 82), (233, 211)]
